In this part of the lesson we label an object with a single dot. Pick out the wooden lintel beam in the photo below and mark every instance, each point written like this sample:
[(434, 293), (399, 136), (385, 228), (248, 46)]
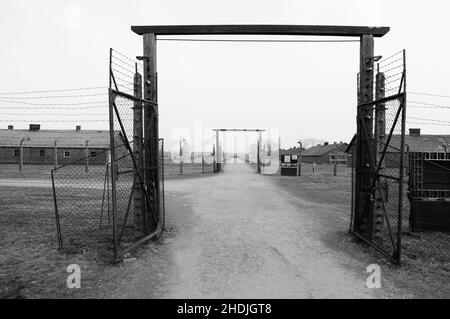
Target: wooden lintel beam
[(245, 29)]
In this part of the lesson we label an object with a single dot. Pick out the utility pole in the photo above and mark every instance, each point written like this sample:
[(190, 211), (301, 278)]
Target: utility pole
[(299, 160)]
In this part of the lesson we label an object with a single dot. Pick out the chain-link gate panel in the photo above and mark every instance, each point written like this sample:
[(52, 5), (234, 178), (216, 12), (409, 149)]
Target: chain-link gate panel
[(378, 220), (112, 205)]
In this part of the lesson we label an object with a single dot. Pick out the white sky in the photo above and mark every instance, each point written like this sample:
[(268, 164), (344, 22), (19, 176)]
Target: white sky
[(305, 90)]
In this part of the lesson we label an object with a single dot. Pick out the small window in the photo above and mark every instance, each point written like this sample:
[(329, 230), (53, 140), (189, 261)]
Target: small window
[(42, 153), (287, 158), (16, 153), (66, 154), (93, 154)]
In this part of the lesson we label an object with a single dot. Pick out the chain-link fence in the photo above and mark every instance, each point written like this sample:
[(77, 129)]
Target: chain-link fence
[(82, 198)]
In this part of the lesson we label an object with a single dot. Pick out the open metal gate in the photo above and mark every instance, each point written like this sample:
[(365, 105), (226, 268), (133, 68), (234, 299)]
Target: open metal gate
[(378, 159), (137, 185)]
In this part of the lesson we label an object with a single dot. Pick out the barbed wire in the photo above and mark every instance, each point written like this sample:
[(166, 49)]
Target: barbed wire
[(425, 119), (55, 91), (55, 114), (53, 96), (428, 94), (429, 123), (54, 121), (430, 104)]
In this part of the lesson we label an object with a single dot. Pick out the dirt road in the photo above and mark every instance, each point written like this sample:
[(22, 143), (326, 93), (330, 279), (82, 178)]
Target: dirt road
[(238, 235)]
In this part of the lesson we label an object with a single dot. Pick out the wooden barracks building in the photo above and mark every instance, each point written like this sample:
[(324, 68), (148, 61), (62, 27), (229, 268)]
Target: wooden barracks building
[(40, 146)]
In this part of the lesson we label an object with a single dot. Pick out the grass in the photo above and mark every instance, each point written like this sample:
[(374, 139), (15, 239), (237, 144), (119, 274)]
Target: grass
[(31, 266)]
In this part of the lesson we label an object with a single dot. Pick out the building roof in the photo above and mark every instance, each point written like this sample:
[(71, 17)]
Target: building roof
[(291, 151), (424, 143), (420, 143), (47, 138), (323, 149)]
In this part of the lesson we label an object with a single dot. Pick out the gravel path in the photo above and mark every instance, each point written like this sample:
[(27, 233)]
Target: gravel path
[(238, 235)]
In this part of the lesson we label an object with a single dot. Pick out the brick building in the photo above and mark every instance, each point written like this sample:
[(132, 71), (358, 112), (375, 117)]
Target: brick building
[(40, 146)]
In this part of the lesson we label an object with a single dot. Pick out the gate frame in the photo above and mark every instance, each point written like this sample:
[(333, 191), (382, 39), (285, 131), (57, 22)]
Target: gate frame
[(364, 170), (218, 154)]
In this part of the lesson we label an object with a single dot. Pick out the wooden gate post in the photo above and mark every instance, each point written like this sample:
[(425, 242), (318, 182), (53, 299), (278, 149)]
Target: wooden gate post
[(364, 201), (139, 204), (151, 133)]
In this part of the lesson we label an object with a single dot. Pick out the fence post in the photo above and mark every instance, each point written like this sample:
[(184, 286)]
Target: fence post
[(299, 159), (335, 159), (21, 154), (258, 150), (214, 158), (203, 163), (379, 137), (56, 153), (181, 157), (218, 160), (87, 156), (138, 150)]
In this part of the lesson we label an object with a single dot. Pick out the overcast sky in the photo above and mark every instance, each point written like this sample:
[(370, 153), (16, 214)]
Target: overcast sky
[(306, 90)]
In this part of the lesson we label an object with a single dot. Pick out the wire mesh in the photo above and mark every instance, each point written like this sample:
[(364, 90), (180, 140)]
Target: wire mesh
[(108, 206), (82, 204)]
